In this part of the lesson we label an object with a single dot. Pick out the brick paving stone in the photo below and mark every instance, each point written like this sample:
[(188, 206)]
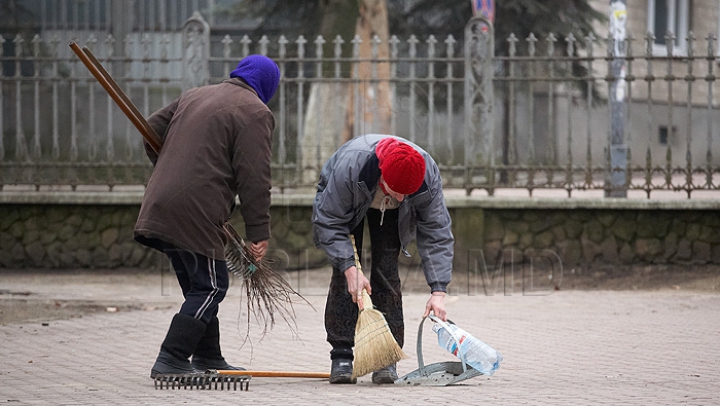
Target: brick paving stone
[(564, 348)]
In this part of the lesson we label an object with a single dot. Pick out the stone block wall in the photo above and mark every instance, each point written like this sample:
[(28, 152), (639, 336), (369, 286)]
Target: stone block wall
[(41, 235), (623, 237), (101, 236), (71, 236)]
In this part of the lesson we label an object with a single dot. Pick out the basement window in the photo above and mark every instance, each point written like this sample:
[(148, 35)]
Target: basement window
[(663, 134)]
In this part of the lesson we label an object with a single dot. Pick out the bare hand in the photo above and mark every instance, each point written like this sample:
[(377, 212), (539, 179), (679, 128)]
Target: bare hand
[(356, 282), (258, 249), (436, 304)]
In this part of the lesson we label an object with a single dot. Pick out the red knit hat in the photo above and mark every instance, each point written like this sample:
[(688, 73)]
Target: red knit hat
[(402, 167)]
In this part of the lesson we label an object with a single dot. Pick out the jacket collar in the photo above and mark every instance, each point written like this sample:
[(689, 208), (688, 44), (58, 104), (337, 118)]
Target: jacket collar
[(241, 83)]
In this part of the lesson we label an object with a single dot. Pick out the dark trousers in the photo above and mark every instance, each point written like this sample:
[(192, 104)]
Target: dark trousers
[(204, 282), (340, 311)]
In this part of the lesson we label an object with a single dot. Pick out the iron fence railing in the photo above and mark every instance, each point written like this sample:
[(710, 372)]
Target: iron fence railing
[(536, 118)]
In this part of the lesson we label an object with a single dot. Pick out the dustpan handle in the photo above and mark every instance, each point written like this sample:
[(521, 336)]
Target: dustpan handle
[(444, 325), (421, 364)]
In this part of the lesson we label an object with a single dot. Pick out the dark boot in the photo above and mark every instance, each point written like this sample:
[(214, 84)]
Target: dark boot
[(341, 369), (182, 337), (207, 353), (385, 375)]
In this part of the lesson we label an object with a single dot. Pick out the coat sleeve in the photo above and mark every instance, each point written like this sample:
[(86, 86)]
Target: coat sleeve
[(435, 240), (333, 211), (251, 158), (159, 121)]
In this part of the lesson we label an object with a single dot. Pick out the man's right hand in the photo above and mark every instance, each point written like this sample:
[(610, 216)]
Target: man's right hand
[(259, 249), (356, 282)]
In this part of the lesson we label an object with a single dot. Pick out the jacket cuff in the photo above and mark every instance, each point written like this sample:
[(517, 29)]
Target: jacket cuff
[(344, 264), (438, 287), (257, 233)]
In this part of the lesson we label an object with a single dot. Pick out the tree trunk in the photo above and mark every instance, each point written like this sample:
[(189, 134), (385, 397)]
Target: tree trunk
[(374, 112), (338, 112), (325, 115)]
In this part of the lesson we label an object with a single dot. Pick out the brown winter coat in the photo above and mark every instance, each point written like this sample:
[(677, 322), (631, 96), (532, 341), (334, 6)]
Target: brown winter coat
[(216, 144)]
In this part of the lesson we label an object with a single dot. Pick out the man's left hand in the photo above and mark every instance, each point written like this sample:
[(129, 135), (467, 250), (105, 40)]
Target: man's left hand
[(436, 304)]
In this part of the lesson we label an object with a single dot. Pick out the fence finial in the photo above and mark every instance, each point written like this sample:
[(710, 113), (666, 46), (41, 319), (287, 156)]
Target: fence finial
[(196, 51)]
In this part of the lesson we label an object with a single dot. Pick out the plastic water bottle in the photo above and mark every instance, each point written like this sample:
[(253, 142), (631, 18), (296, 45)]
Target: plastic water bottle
[(478, 355)]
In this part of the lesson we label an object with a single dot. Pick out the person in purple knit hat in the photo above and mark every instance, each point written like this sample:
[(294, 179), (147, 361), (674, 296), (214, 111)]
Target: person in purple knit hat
[(216, 146)]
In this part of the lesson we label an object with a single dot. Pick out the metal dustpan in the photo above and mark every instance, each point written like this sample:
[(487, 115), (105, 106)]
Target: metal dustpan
[(440, 373)]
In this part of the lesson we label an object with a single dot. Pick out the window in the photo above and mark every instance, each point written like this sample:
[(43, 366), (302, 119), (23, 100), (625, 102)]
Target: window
[(669, 15), (664, 135)]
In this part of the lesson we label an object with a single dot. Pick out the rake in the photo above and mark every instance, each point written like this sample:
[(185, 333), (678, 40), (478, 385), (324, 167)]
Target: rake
[(227, 379), (268, 293), (200, 381)]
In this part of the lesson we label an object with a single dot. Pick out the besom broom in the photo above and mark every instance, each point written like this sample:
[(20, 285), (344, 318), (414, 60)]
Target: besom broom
[(375, 346), (268, 294)]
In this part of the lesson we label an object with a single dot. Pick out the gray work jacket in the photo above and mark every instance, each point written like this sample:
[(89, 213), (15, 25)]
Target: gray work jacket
[(348, 183)]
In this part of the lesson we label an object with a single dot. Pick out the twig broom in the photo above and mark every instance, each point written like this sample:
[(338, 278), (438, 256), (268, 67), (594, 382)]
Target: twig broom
[(268, 293), (375, 346)]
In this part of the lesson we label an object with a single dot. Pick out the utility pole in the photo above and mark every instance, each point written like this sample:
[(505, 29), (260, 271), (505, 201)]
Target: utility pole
[(618, 89)]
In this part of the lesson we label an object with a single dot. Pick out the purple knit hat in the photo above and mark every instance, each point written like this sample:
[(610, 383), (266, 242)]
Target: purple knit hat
[(261, 73)]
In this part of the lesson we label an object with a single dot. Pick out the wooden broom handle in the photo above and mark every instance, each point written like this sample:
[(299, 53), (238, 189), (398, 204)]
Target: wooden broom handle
[(125, 104), (365, 300), (117, 94), (357, 257), (276, 374)]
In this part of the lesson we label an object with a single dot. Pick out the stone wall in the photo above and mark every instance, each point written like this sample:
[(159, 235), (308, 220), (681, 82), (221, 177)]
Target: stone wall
[(607, 236), (71, 236), (101, 236), (91, 235)]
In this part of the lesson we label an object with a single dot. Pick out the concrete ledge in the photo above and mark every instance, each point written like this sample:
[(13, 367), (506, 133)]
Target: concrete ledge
[(81, 198), (119, 198), (453, 201), (580, 203)]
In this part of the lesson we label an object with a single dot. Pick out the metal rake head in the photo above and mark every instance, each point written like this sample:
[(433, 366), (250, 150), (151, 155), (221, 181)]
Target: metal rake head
[(202, 381)]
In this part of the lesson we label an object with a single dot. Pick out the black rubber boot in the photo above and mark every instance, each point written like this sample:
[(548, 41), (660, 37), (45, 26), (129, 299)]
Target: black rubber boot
[(385, 375), (182, 337), (341, 369), (207, 353)]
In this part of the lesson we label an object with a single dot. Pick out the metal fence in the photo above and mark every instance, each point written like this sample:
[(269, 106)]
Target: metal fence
[(536, 118)]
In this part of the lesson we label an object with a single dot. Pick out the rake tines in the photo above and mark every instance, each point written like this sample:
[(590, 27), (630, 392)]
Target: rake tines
[(202, 381), (226, 382)]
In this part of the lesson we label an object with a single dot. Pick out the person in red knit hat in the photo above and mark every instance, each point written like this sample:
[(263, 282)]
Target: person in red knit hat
[(396, 187)]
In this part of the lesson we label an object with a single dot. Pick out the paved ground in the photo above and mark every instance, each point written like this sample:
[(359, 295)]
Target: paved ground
[(92, 338)]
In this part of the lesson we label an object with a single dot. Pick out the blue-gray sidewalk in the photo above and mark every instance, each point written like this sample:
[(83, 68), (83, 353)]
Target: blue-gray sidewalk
[(564, 347)]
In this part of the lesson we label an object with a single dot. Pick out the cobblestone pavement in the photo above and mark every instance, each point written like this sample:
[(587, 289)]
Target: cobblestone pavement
[(565, 347)]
